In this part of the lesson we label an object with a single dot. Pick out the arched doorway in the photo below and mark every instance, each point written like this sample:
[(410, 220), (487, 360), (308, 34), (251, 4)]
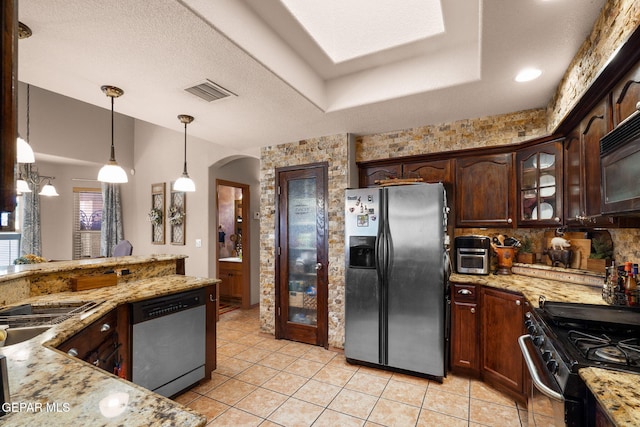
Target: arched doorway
[(233, 239)]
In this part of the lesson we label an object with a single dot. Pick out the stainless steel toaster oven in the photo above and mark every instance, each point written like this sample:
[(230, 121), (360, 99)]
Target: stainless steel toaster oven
[(473, 254)]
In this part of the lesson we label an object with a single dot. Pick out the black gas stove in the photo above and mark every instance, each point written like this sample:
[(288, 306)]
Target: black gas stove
[(564, 337)]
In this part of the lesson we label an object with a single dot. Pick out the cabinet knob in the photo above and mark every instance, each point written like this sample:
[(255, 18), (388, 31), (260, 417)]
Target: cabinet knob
[(518, 302), (318, 266), (509, 220), (105, 327), (557, 219), (473, 310), (73, 352)]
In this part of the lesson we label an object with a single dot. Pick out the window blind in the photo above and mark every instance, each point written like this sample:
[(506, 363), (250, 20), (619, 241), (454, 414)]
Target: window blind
[(87, 220), (9, 248)]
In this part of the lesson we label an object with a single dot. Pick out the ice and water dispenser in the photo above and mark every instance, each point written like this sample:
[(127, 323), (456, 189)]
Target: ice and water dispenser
[(362, 251)]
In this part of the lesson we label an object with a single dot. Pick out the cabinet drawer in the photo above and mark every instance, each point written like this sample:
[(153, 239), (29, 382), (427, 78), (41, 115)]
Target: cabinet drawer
[(464, 292), (230, 266)]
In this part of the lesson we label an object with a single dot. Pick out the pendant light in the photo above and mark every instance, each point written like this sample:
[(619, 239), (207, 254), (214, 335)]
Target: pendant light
[(24, 150), (112, 172), (184, 183), (48, 190)]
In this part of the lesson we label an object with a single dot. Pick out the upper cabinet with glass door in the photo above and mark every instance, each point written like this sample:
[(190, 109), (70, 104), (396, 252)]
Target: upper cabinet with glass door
[(539, 172)]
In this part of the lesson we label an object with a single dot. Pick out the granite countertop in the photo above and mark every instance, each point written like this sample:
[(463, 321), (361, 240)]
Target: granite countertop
[(617, 392), (48, 387), (22, 270)]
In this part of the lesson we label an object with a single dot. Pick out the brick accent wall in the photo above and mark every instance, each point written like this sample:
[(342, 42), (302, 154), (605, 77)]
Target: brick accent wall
[(331, 149), (617, 20)]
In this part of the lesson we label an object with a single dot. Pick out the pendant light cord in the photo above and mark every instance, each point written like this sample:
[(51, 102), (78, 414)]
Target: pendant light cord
[(113, 150), (28, 109), (185, 149)]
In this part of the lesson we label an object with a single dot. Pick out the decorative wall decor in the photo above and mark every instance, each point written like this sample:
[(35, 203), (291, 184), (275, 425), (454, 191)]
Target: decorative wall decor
[(156, 215), (176, 216)]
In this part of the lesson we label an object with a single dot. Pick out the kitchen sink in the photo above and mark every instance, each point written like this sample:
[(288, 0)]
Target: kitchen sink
[(26, 321), (18, 335)]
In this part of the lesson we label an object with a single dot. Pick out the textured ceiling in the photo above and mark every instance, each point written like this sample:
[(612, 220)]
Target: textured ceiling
[(287, 87)]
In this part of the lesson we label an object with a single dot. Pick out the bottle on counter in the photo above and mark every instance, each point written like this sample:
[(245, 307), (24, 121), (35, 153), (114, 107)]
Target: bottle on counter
[(630, 286)]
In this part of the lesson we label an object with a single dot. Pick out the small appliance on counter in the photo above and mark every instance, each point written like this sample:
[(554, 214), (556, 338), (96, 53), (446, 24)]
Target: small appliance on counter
[(473, 254)]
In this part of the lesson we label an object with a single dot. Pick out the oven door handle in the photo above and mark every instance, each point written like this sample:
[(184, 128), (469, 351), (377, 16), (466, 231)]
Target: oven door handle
[(535, 375)]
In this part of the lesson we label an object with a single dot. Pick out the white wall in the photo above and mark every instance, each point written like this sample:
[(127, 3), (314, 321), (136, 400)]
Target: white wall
[(246, 171), (159, 156), (71, 140)]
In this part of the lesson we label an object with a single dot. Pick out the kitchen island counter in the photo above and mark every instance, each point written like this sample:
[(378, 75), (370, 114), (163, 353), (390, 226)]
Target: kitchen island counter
[(48, 387)]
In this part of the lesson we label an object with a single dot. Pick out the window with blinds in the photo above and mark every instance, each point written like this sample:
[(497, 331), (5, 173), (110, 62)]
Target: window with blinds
[(9, 248), (87, 220)]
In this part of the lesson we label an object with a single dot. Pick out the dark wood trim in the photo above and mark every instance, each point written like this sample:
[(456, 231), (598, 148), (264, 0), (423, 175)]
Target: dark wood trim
[(8, 103), (246, 238), (467, 152)]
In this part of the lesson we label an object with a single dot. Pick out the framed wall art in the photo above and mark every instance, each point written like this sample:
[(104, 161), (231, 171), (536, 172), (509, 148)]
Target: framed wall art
[(156, 215), (177, 216)]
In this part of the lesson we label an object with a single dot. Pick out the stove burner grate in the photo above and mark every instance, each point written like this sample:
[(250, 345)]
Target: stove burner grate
[(604, 349)]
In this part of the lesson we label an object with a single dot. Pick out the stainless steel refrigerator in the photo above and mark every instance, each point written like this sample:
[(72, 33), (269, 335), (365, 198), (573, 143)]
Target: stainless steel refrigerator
[(396, 304)]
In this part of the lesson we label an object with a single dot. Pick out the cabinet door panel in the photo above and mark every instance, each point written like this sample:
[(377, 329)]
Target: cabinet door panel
[(626, 96), (502, 324), (485, 191), (594, 127), (369, 175), (539, 171), (573, 178), (464, 334)]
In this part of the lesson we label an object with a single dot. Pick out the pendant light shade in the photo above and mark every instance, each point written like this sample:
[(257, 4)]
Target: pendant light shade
[(112, 172), (24, 152), (184, 183), (48, 190), (22, 186)]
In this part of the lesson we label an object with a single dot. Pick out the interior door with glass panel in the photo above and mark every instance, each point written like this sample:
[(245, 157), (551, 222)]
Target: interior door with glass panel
[(301, 261)]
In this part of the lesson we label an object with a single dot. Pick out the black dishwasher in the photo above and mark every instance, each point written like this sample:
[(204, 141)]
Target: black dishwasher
[(168, 342)]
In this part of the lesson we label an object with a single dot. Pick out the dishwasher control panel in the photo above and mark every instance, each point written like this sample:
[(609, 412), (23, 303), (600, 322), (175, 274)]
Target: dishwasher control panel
[(143, 311)]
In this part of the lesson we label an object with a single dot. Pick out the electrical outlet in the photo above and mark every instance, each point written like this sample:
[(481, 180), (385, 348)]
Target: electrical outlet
[(198, 243), (256, 215)]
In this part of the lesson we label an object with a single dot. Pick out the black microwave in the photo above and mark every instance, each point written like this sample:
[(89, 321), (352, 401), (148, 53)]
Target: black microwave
[(620, 168)]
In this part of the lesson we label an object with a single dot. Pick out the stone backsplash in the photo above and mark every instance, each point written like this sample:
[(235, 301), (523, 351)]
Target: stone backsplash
[(330, 149), (617, 20)]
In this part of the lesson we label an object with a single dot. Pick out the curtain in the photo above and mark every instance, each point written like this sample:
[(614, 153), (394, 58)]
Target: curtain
[(112, 230), (31, 242)]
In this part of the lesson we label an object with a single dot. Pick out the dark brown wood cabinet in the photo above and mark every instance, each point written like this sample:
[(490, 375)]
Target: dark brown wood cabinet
[(626, 95), (230, 274), (370, 174), (485, 191), (211, 317), (582, 169), (104, 343), (465, 329), (502, 323), (539, 170)]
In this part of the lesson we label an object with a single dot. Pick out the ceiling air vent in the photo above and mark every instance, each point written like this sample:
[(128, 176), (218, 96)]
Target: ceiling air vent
[(209, 91)]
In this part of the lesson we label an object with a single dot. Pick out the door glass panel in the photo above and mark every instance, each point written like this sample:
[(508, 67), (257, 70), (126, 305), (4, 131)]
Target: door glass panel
[(302, 243)]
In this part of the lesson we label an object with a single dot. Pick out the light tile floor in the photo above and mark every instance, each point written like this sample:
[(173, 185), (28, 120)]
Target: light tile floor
[(261, 381)]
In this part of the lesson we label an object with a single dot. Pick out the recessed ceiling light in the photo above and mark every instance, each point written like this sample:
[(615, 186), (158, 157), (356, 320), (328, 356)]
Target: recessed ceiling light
[(528, 74)]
